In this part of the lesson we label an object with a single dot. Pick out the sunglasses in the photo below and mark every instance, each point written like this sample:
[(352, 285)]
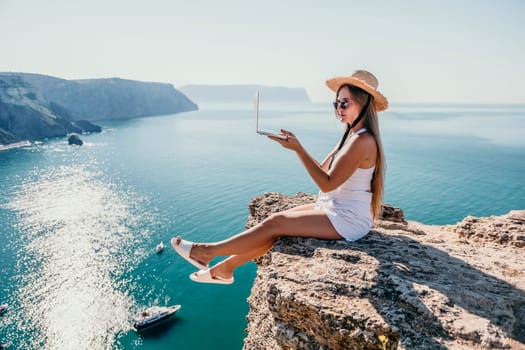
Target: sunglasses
[(341, 104)]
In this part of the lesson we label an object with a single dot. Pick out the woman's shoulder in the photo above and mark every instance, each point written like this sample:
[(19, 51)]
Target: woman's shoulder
[(364, 139), (363, 146)]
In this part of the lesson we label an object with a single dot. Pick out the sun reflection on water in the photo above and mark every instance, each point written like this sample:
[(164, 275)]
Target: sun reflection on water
[(78, 233)]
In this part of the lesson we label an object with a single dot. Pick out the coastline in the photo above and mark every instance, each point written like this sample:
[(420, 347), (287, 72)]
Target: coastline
[(14, 145)]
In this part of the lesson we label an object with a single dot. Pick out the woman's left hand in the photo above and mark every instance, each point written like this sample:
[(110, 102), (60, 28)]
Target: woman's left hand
[(290, 141)]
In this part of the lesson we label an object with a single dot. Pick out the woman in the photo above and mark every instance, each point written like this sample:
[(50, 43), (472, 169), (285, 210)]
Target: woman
[(350, 180)]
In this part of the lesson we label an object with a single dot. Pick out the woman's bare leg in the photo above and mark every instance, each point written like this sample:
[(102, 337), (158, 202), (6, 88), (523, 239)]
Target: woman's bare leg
[(205, 258), (225, 268), (301, 207), (245, 246), (304, 223)]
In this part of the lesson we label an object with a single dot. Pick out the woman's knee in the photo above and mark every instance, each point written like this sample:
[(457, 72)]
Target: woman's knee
[(275, 224)]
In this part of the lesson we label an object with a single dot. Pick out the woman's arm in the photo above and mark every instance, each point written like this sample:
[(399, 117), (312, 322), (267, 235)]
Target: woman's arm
[(345, 165), (326, 162)]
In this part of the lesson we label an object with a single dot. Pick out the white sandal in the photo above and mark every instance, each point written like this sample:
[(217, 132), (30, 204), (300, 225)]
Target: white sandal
[(184, 249), (204, 276)]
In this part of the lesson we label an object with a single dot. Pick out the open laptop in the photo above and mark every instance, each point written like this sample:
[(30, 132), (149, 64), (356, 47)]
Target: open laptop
[(257, 121)]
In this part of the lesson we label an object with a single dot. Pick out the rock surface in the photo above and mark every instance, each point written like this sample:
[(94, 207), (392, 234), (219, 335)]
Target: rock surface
[(74, 139), (405, 285)]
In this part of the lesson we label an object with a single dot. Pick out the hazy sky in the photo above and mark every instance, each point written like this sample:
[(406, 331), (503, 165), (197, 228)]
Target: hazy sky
[(421, 51)]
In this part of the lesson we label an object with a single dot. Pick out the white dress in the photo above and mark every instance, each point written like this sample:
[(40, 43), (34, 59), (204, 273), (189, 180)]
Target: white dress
[(348, 206)]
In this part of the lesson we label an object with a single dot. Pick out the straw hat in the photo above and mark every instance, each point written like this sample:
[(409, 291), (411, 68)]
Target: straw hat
[(363, 80)]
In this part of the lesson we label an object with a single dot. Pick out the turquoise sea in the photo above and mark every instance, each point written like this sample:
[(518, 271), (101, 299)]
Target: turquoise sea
[(79, 224)]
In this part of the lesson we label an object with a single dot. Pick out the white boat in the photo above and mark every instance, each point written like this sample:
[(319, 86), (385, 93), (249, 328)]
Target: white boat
[(159, 248), (154, 315), (3, 308)]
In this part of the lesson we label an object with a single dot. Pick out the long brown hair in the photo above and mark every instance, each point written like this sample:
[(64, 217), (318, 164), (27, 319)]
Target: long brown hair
[(371, 123)]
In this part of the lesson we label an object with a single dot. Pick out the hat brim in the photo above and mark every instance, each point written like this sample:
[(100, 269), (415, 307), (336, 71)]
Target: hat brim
[(380, 101)]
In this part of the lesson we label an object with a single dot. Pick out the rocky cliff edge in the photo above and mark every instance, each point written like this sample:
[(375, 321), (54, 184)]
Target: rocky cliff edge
[(404, 286)]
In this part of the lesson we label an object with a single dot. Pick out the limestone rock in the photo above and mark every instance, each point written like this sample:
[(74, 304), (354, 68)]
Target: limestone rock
[(505, 229), (404, 286)]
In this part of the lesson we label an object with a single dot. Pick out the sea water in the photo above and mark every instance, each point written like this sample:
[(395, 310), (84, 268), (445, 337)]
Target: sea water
[(79, 224)]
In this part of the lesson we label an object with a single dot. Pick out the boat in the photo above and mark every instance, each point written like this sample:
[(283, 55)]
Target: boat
[(159, 248), (3, 308), (154, 315)]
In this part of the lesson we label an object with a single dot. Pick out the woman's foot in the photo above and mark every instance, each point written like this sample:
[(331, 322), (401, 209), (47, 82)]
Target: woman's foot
[(221, 271), (194, 253)]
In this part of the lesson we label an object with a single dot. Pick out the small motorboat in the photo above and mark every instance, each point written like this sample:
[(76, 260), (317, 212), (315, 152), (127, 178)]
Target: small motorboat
[(154, 315), (3, 308), (159, 248)]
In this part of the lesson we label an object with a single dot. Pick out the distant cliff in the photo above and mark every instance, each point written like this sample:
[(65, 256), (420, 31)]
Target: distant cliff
[(26, 115), (404, 286), (112, 98), (244, 93)]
